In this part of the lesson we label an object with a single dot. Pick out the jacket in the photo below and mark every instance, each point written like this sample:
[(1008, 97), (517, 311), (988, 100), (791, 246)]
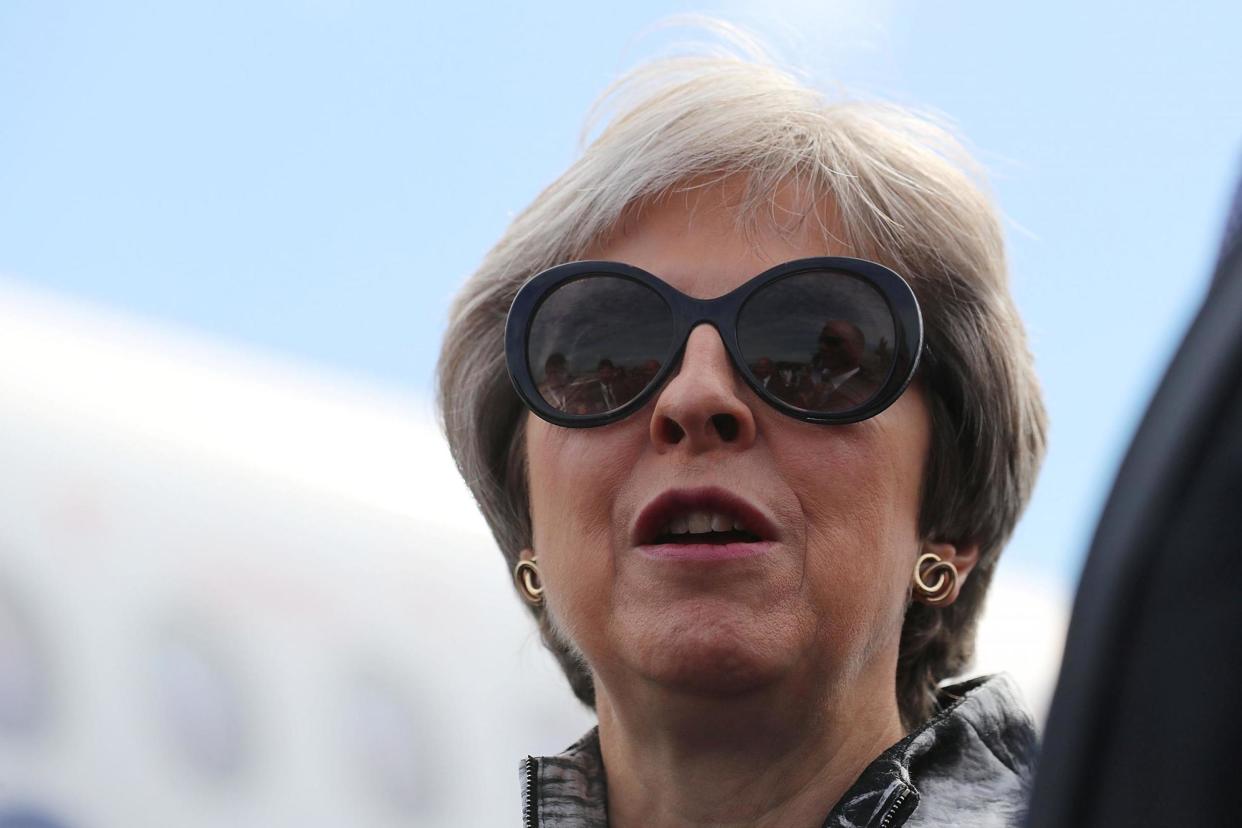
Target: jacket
[(968, 766)]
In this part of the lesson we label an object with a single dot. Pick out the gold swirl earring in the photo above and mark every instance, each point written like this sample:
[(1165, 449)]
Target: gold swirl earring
[(529, 584), (940, 591)]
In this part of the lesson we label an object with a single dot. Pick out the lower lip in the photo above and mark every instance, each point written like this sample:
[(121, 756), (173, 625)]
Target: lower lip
[(704, 551)]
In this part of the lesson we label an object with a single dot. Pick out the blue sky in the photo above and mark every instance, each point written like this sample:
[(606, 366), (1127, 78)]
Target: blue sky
[(315, 178)]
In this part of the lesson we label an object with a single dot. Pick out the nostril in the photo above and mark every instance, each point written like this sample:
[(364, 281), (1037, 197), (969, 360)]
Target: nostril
[(672, 433), (726, 426)]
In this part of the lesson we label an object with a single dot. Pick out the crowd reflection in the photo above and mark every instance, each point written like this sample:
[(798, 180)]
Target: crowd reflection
[(838, 375), (841, 373), (609, 386)]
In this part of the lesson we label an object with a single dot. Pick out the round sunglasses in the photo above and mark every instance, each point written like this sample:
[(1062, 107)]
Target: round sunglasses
[(827, 340)]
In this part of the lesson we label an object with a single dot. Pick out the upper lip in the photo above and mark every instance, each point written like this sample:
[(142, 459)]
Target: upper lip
[(653, 519)]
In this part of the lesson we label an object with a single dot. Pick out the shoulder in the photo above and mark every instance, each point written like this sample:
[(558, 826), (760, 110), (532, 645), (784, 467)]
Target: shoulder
[(969, 766), (568, 789), (972, 763)]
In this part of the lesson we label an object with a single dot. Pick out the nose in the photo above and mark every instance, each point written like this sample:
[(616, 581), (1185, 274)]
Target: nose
[(701, 407)]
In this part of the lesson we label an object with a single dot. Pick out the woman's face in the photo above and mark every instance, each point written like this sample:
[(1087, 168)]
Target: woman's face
[(825, 598)]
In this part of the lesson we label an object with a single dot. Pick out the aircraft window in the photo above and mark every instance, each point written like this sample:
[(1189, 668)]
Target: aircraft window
[(200, 706), (387, 741), (29, 817), (24, 679)]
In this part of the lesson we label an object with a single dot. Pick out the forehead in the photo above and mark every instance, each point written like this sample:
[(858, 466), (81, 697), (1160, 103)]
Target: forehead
[(697, 241)]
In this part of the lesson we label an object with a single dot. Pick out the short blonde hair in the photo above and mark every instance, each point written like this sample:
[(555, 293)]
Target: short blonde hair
[(903, 192)]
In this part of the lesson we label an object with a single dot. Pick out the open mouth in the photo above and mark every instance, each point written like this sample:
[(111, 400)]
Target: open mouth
[(705, 527), (707, 516)]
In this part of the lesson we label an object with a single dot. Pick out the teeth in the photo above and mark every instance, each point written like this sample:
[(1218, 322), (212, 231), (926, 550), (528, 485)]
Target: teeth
[(697, 523)]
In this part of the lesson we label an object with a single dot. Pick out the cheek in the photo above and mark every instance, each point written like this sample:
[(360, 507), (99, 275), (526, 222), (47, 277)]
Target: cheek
[(574, 475), (859, 488)]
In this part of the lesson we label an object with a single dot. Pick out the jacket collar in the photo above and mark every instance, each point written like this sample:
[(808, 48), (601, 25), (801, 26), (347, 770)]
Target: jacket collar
[(969, 765)]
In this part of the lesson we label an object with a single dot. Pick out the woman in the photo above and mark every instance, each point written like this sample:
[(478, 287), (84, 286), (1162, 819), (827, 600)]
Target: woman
[(758, 586)]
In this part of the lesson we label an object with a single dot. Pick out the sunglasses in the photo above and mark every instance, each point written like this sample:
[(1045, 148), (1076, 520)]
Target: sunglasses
[(827, 339)]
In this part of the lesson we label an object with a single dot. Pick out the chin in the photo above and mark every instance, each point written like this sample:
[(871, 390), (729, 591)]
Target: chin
[(709, 650)]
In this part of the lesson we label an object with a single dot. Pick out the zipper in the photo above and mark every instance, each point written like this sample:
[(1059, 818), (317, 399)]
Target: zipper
[(894, 808), (530, 794)]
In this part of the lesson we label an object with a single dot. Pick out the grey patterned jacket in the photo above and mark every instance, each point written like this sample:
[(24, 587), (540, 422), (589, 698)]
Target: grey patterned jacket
[(969, 766)]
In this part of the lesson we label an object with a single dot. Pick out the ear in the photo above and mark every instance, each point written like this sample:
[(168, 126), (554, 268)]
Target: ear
[(527, 554), (961, 557)]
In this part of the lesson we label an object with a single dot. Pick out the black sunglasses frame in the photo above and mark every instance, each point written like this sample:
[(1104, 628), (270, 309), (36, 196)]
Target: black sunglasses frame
[(722, 314)]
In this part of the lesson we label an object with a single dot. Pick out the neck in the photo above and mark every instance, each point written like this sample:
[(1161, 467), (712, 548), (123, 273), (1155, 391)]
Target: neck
[(780, 756)]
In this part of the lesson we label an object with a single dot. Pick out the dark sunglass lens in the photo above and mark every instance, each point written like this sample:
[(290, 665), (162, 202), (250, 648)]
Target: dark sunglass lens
[(596, 342), (821, 340)]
